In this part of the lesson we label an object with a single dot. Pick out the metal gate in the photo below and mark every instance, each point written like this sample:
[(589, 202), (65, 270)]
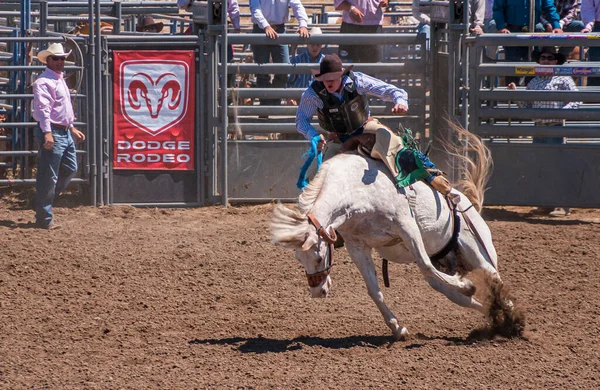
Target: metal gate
[(527, 173), (449, 80)]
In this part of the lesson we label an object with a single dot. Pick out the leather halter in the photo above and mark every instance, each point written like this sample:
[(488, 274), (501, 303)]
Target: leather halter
[(315, 279)]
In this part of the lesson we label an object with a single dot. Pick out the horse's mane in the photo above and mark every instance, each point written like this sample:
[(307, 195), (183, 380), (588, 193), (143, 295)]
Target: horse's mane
[(475, 164), (288, 226), (308, 197)]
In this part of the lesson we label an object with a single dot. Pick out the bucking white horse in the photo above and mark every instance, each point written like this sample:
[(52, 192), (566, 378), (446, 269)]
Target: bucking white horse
[(357, 197)]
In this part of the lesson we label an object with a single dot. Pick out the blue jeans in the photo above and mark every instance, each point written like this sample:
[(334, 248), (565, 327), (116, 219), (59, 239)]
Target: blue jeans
[(515, 54), (360, 53), (279, 54), (49, 182)]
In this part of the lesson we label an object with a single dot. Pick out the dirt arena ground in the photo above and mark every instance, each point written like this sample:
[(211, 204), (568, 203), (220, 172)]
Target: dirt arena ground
[(199, 298)]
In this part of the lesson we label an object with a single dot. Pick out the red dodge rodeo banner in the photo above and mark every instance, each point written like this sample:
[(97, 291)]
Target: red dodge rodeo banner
[(154, 110)]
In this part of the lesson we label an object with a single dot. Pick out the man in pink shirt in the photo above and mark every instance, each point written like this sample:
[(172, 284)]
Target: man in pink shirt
[(361, 17), (53, 111)]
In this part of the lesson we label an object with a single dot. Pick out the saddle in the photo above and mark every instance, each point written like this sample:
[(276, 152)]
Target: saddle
[(362, 143), (412, 164)]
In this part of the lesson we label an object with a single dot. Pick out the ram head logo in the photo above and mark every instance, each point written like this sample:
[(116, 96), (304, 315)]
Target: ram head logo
[(154, 95)]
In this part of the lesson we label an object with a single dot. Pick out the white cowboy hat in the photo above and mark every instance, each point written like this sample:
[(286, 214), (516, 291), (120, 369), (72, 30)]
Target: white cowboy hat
[(316, 31), (55, 49)]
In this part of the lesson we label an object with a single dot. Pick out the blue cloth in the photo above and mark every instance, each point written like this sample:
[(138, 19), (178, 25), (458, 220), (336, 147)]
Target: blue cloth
[(310, 157), (424, 29), (516, 12), (303, 80), (280, 54), (48, 181)]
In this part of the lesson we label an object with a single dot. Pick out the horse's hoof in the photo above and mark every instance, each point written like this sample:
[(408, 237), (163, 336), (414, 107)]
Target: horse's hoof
[(401, 334), (469, 288)]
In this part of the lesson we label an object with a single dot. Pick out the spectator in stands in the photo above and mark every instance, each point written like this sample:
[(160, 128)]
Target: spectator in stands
[(512, 16), (476, 16), (590, 15), (424, 21), (361, 17), (83, 28), (550, 56), (53, 110), (147, 24), (233, 11), (489, 26), (567, 11), (269, 17), (312, 55)]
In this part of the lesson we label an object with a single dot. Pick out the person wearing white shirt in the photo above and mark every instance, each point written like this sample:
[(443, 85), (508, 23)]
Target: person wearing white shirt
[(269, 17)]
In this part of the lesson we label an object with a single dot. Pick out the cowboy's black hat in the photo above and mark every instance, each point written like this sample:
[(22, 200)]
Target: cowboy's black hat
[(330, 68)]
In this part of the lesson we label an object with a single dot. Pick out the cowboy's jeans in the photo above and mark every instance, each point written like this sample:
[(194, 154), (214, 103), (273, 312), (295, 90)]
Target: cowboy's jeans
[(56, 168)]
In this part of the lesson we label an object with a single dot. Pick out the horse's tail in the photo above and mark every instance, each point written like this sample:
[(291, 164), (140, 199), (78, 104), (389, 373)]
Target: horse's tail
[(475, 162)]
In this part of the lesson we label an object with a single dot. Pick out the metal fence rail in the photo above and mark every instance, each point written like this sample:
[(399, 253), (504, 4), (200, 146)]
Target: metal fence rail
[(528, 172)]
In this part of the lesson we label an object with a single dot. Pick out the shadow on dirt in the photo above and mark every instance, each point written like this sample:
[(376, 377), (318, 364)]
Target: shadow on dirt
[(513, 216), (264, 345), (24, 198), (14, 225)]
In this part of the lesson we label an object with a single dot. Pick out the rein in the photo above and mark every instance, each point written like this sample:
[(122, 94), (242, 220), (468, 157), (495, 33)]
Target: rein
[(475, 232), (315, 279)]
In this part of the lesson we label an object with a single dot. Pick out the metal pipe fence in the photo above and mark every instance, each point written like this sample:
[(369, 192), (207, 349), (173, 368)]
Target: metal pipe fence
[(493, 109)]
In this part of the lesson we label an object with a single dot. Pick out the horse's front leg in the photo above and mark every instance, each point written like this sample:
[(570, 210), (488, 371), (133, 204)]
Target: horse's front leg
[(361, 255)]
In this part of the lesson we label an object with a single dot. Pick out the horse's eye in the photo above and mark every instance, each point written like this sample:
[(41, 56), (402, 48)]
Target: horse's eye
[(319, 260)]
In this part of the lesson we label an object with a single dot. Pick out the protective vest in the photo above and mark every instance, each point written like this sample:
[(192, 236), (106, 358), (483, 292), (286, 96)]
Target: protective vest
[(342, 117)]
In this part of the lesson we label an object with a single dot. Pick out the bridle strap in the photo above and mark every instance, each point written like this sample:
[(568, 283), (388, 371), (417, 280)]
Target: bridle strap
[(330, 236), (315, 279)]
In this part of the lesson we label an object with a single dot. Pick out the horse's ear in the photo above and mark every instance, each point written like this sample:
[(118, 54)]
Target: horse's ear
[(311, 240)]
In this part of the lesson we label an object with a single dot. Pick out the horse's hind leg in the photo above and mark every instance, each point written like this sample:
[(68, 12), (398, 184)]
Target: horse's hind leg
[(412, 239), (455, 296), (361, 255)]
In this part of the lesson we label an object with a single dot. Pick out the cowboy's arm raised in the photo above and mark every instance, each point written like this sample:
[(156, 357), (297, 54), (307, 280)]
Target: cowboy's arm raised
[(367, 85)]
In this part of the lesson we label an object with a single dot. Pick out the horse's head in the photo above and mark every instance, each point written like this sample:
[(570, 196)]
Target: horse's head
[(313, 244)]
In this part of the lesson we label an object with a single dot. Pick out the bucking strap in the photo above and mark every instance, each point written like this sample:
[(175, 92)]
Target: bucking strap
[(453, 243), (449, 247)]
